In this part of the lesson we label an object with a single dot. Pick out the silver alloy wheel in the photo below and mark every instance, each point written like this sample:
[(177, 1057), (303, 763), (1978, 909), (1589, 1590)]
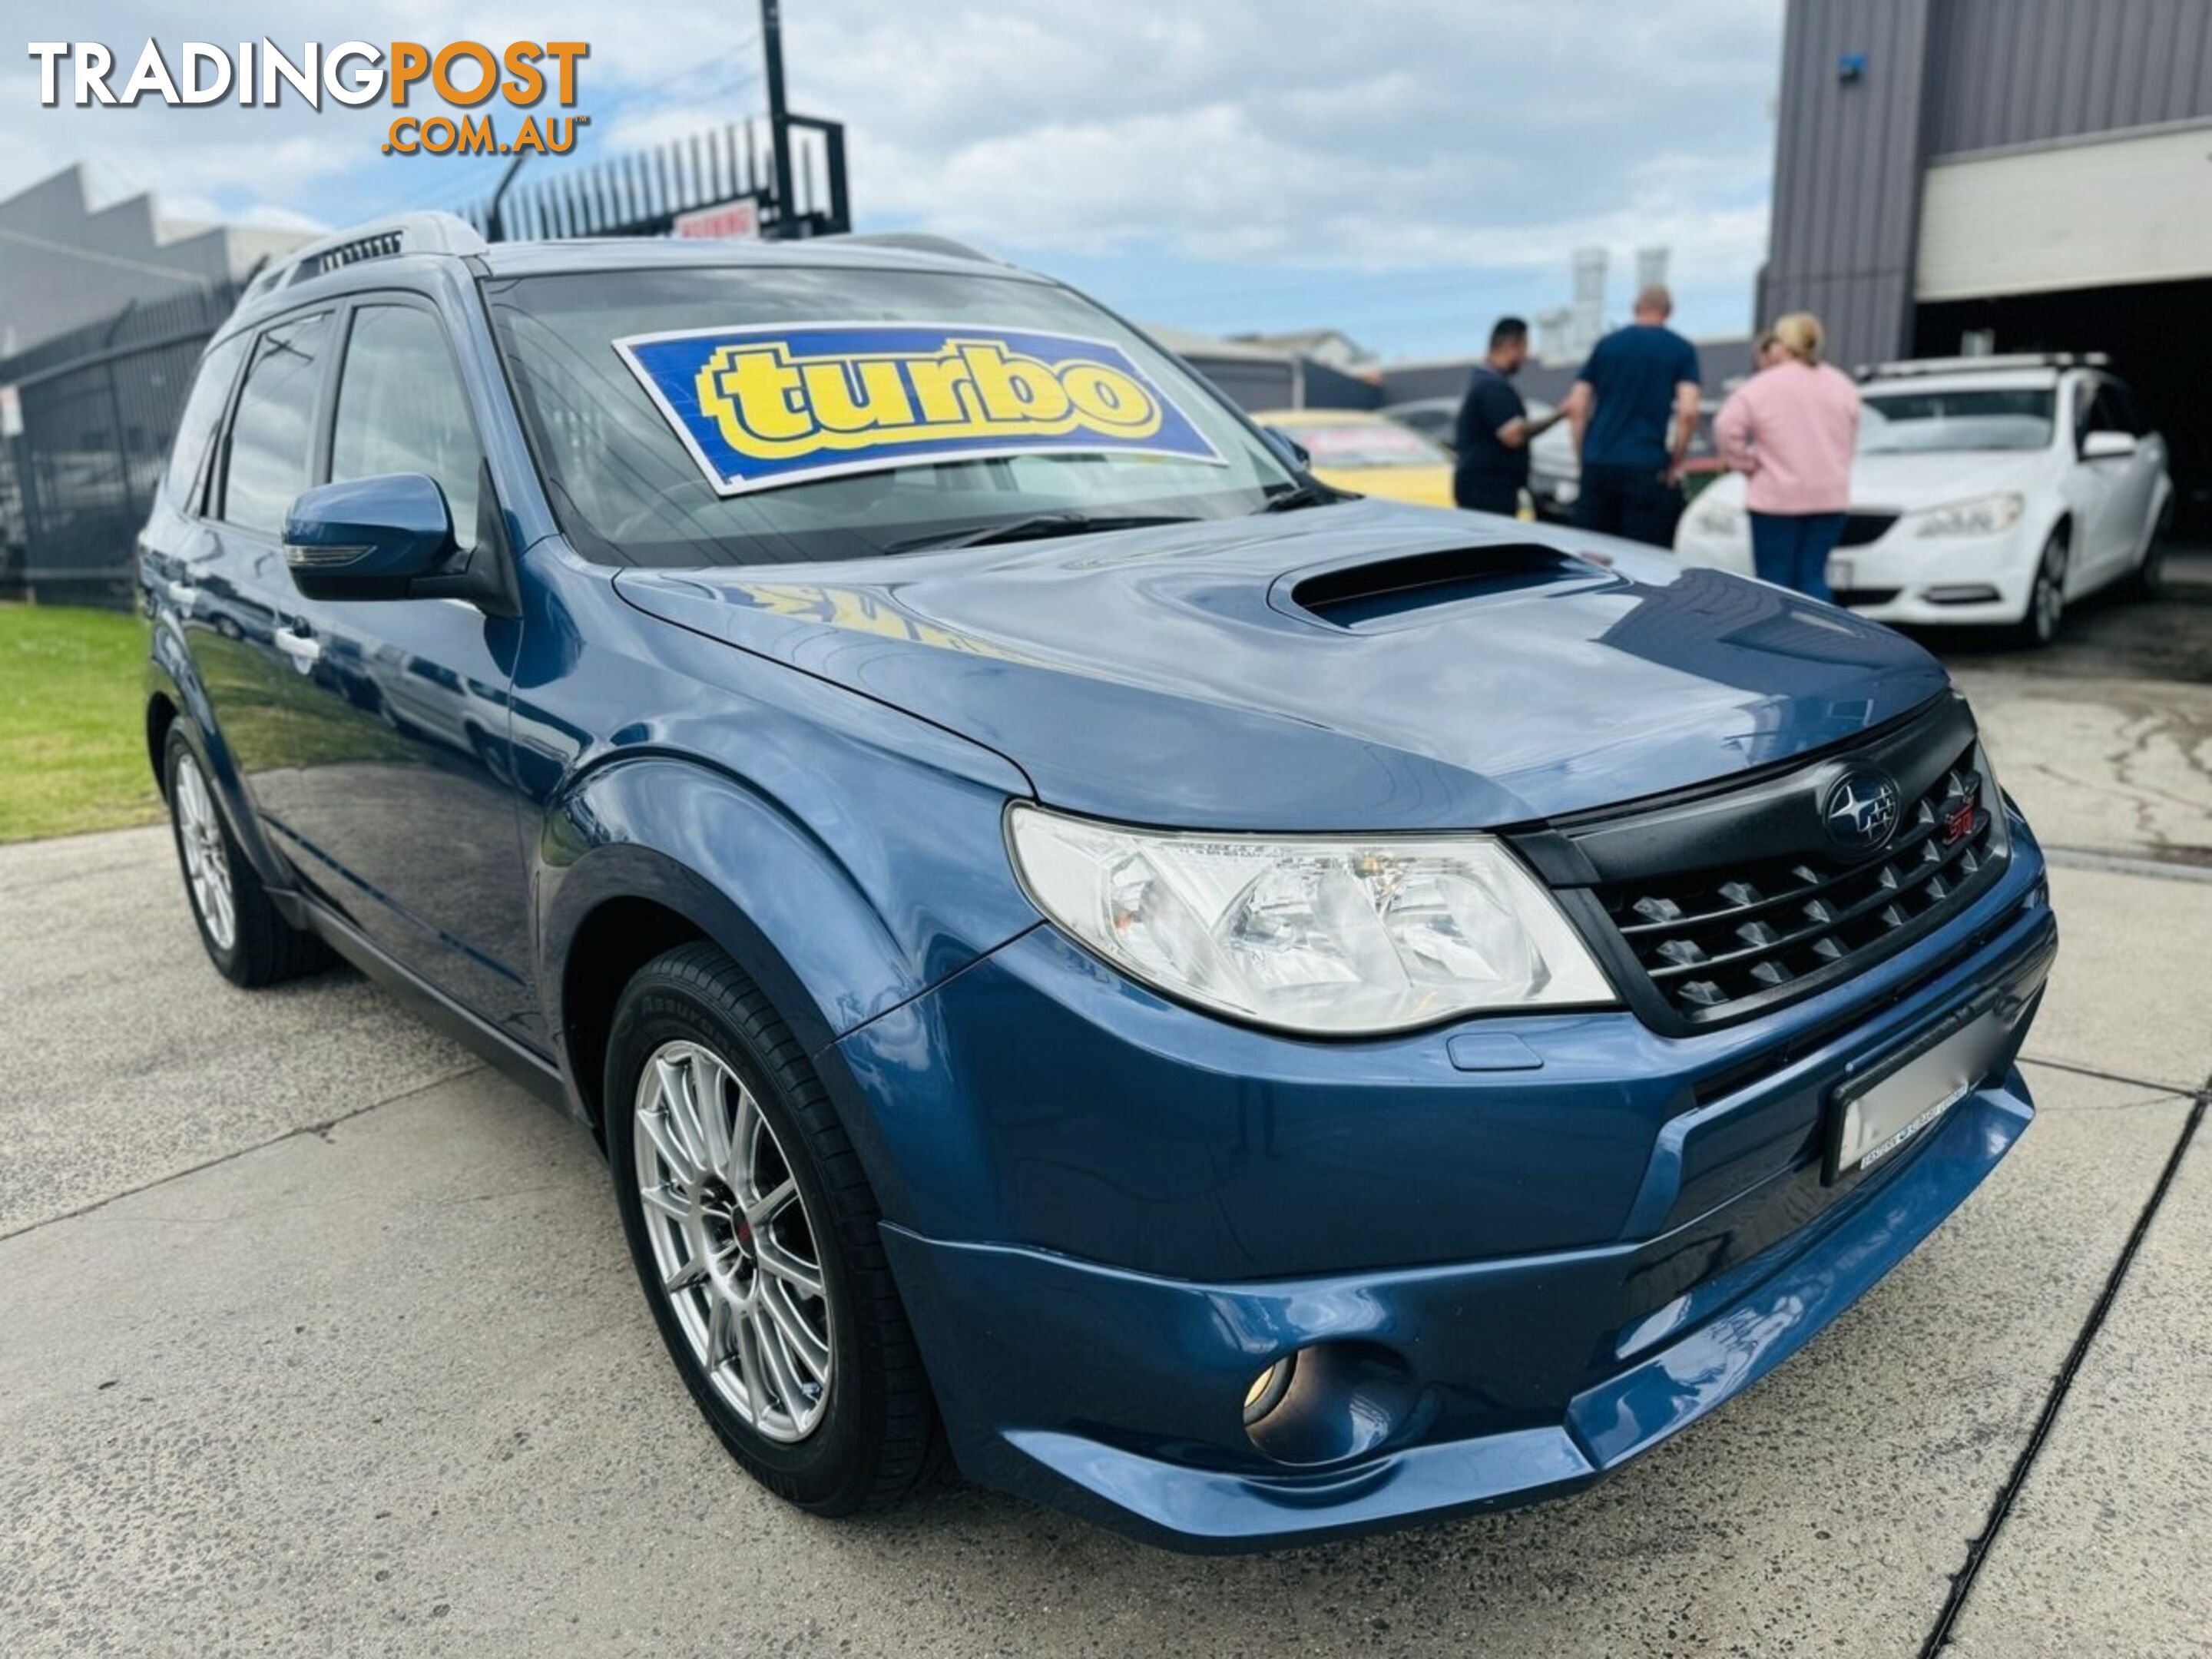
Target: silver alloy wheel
[(733, 1243), (207, 862)]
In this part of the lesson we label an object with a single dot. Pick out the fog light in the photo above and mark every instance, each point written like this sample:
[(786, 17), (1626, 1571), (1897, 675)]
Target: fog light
[(1269, 1389), (1963, 593), (1329, 1403)]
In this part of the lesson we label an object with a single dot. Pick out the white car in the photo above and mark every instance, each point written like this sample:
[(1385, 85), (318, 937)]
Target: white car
[(1988, 491)]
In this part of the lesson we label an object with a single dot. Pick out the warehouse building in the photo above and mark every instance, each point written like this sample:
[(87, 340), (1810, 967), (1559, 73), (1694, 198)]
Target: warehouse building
[(2005, 175)]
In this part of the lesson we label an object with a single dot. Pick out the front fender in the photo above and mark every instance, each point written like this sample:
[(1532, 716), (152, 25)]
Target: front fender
[(836, 926)]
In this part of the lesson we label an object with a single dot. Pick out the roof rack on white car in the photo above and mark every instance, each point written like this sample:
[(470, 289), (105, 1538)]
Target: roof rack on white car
[(384, 239), (1908, 367)]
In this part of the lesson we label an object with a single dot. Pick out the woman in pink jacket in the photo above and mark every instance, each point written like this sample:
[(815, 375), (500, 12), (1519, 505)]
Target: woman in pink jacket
[(1790, 429)]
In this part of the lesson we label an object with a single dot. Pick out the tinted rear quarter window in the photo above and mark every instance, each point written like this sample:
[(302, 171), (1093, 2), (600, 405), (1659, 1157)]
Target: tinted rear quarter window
[(272, 434), (196, 426)]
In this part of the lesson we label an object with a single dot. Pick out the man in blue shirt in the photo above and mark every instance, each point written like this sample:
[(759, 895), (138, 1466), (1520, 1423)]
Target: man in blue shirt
[(1494, 428), (1634, 409)]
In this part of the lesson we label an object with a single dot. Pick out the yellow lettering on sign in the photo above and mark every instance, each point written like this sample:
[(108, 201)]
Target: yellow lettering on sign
[(769, 405)]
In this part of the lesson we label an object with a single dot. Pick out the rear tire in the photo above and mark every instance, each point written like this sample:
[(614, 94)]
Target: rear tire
[(2046, 597), (755, 1236), (249, 943)]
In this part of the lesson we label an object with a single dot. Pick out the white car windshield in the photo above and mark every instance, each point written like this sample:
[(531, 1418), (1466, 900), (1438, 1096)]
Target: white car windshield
[(1919, 422)]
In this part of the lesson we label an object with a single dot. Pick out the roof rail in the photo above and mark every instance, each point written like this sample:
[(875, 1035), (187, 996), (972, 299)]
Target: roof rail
[(1906, 367), (915, 241), (383, 239)]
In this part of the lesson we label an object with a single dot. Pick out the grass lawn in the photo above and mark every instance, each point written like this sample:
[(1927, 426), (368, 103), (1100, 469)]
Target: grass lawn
[(72, 724)]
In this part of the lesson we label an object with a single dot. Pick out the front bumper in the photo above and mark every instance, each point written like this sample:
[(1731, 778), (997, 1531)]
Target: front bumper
[(1965, 580), (1927, 581), (1674, 1241)]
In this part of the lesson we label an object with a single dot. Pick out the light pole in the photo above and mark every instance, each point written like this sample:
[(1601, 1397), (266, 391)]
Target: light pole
[(779, 118)]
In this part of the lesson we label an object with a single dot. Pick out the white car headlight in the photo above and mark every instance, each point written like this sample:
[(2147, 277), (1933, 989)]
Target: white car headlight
[(1311, 934), (1985, 516)]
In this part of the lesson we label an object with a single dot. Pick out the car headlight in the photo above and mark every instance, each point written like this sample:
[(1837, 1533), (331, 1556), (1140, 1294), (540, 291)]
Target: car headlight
[(1316, 934), (1718, 519), (1985, 516)]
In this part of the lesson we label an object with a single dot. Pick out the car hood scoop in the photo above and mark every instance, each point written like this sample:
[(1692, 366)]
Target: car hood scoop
[(1378, 591), (1363, 666)]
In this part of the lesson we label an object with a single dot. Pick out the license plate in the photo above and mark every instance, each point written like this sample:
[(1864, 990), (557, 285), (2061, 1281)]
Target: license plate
[(1840, 575), (1872, 1118)]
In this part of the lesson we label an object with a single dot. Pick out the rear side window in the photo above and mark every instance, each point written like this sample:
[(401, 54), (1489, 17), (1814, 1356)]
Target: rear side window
[(401, 409), (273, 432), (196, 426)]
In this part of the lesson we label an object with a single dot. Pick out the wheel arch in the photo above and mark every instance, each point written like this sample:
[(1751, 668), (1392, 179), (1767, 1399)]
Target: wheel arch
[(657, 852), (174, 696), (161, 713)]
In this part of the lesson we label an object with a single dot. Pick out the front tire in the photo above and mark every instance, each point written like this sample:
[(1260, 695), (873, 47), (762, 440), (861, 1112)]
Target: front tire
[(754, 1233), (2046, 596), (249, 943), (2148, 577)]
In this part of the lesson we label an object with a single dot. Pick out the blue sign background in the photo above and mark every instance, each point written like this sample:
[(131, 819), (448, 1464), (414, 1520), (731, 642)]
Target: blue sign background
[(669, 366)]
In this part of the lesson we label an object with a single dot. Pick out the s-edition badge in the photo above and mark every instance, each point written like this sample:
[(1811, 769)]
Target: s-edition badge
[(1859, 811)]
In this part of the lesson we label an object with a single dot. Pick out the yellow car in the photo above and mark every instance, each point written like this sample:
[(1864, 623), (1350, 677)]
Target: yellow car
[(1354, 450)]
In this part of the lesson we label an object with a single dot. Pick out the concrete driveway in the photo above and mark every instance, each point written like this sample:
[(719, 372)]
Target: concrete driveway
[(316, 1336)]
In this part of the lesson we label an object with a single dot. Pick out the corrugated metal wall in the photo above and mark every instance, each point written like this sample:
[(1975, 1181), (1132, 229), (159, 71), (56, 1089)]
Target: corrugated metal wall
[(1847, 172), (1944, 77), (2028, 71)]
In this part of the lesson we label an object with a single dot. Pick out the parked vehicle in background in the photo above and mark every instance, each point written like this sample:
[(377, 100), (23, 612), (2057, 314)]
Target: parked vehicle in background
[(1702, 465), (1248, 1014), (1357, 450), (1553, 469), (1989, 491)]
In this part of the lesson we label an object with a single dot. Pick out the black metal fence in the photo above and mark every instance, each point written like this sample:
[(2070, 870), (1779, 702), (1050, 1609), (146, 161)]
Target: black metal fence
[(644, 194), (98, 406)]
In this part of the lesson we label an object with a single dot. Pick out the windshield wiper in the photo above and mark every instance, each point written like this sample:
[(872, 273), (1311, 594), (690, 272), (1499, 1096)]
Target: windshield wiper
[(1308, 494), (1038, 527)]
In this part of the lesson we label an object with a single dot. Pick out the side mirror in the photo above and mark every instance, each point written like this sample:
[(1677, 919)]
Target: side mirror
[(368, 538), (2105, 446), (1288, 447)]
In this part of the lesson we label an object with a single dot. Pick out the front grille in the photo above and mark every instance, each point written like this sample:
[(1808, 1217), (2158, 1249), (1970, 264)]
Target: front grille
[(1860, 528), (1712, 940), (1866, 596)]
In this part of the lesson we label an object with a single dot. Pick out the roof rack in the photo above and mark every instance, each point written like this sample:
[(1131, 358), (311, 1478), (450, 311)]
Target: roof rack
[(1905, 368), (915, 241), (384, 239)]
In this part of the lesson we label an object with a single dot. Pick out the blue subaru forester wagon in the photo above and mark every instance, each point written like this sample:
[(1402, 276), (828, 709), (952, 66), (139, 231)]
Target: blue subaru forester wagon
[(1246, 1013)]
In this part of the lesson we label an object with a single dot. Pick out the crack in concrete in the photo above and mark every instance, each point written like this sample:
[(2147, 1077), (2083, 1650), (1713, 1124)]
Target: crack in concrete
[(321, 1130), (2080, 1070), (1978, 1548)]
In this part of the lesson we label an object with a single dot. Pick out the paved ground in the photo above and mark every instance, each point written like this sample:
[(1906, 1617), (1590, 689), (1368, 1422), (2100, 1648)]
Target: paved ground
[(314, 1336)]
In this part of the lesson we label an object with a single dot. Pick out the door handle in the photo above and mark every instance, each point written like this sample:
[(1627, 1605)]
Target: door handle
[(304, 649)]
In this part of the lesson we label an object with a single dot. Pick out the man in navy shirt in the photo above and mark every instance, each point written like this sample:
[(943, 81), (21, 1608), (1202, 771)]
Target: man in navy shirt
[(1494, 428), (1634, 409)]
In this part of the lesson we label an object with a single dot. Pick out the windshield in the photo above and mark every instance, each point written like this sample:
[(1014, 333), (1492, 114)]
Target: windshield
[(1365, 443), (1916, 422), (696, 416)]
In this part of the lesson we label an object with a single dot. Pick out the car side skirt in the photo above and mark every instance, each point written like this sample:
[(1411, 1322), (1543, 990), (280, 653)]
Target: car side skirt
[(534, 1072)]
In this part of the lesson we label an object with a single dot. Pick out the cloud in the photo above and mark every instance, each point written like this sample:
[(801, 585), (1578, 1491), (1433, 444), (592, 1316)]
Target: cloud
[(1393, 138), (1365, 138)]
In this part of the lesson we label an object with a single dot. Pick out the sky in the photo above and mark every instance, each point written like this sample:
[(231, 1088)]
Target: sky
[(1404, 170)]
